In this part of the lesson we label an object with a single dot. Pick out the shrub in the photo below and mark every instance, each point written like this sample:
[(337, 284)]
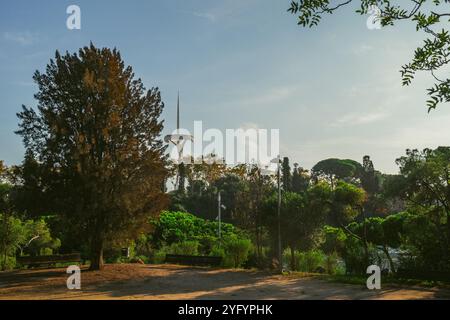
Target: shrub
[(159, 256), (264, 260), (189, 248), (355, 256), (9, 264), (142, 245), (331, 263), (237, 250), (310, 261), (138, 259), (260, 261), (30, 237), (219, 251), (186, 234), (44, 244), (176, 227)]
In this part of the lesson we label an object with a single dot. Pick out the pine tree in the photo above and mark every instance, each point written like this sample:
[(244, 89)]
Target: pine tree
[(300, 179), (286, 175), (96, 134)]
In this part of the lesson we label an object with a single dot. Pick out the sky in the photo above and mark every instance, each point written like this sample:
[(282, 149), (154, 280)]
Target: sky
[(332, 91)]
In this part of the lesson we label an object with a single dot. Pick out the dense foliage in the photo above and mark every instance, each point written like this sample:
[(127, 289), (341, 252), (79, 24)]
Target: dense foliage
[(24, 237), (96, 137), (184, 233)]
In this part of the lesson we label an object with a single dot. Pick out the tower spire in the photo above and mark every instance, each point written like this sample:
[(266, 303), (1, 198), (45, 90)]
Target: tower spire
[(178, 111)]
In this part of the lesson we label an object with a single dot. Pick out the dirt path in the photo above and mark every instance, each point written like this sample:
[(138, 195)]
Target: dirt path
[(177, 282)]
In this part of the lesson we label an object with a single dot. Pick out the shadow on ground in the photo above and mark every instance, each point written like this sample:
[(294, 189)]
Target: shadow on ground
[(177, 282)]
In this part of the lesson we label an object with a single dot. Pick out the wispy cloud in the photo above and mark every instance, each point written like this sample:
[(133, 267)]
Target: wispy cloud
[(271, 96), (224, 9), (359, 119), (23, 38)]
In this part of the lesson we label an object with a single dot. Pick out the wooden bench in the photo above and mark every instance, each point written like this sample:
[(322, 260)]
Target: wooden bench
[(48, 260), (193, 260)]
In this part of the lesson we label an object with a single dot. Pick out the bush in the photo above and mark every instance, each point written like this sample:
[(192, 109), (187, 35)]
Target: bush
[(159, 256), (139, 259), (314, 260), (44, 244), (237, 251), (310, 261), (25, 237), (9, 264), (219, 251), (188, 248), (331, 263), (185, 234), (206, 244), (179, 227), (355, 256), (260, 261), (425, 246), (142, 246)]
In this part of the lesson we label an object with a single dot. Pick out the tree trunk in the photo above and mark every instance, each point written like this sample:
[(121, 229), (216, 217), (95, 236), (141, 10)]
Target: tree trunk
[(391, 263), (6, 236), (97, 255), (258, 245), (293, 259), (366, 253), (447, 253)]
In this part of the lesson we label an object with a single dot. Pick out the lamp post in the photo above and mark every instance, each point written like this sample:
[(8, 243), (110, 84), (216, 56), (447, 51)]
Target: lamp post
[(220, 215), (280, 254), (220, 206)]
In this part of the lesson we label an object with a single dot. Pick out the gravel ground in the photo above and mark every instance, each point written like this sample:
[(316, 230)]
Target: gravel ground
[(134, 281)]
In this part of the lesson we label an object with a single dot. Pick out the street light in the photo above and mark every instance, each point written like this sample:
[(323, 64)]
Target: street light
[(220, 206), (267, 172)]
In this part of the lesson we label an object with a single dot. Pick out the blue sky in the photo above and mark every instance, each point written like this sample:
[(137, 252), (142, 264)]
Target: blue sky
[(333, 91)]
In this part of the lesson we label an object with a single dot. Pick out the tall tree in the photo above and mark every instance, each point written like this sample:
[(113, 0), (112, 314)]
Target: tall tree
[(300, 179), (302, 216), (427, 177), (370, 179), (427, 15), (96, 133), (336, 169), (427, 186), (259, 187), (346, 203), (8, 238), (371, 183), (286, 181), (232, 189), (30, 192)]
